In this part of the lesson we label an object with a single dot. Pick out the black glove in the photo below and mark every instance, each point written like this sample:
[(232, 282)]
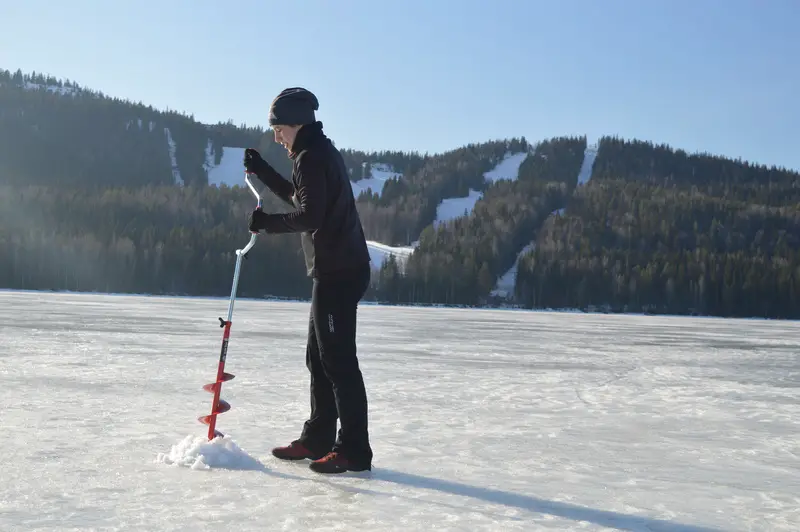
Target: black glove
[(253, 162), (256, 220)]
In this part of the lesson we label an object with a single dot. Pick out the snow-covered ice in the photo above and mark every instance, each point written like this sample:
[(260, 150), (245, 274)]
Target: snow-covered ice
[(480, 419)]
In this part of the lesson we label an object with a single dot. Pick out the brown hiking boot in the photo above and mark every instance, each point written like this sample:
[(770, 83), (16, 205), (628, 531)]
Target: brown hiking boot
[(334, 462), (294, 451)]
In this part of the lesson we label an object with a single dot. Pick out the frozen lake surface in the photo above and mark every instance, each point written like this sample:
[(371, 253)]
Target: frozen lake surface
[(480, 420)]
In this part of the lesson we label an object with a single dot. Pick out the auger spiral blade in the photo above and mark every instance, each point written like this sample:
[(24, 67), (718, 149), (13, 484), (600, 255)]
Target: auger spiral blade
[(222, 407), (218, 406), (213, 386)]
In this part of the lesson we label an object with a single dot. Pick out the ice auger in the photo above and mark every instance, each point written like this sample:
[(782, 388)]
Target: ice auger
[(219, 406)]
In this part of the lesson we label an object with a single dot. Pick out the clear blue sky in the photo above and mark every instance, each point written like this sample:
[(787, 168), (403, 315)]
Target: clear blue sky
[(721, 76)]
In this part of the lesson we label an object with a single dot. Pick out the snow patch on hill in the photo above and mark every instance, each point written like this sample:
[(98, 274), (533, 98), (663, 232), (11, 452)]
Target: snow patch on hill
[(589, 156), (379, 253), (379, 174), (508, 168), (506, 282), (152, 125), (176, 173), (451, 208), (448, 209), (229, 171), (64, 91)]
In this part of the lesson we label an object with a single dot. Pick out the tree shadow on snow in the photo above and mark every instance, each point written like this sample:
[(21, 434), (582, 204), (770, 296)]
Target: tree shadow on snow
[(573, 512)]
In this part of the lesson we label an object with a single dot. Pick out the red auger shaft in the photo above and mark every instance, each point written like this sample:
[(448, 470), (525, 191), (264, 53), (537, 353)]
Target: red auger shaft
[(218, 406)]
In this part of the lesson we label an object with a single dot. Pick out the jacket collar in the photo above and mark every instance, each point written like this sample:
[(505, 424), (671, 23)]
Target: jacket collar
[(306, 136)]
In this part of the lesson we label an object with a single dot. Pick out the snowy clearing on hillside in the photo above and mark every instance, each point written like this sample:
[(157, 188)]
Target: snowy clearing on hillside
[(589, 157), (378, 253), (452, 208), (139, 121), (176, 172), (229, 171), (479, 420), (508, 168), (63, 91), (506, 282), (379, 174)]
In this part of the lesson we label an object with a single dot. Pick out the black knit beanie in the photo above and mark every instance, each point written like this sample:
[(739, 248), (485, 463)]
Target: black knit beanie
[(294, 106)]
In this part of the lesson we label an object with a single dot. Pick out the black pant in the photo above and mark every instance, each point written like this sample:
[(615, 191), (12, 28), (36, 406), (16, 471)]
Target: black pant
[(337, 386)]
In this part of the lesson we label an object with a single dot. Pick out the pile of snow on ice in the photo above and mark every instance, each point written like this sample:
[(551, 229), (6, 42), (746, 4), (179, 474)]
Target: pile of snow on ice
[(198, 453)]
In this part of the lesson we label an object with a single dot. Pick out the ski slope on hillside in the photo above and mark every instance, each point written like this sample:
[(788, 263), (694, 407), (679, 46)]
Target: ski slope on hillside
[(448, 209), (229, 171), (379, 253), (504, 287), (379, 174), (170, 143), (63, 91), (506, 282), (589, 156), (176, 172), (508, 168), (451, 208), (479, 420)]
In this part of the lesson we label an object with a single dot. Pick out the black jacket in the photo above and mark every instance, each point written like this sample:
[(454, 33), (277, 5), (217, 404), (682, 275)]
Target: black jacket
[(326, 216)]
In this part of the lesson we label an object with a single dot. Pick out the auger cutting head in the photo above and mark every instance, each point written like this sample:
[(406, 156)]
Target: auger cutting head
[(219, 406)]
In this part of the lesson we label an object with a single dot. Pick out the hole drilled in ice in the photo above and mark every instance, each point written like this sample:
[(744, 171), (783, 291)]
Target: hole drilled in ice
[(196, 452)]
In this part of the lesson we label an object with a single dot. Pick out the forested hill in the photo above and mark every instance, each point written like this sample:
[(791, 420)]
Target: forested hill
[(662, 231), (56, 132), (103, 194)]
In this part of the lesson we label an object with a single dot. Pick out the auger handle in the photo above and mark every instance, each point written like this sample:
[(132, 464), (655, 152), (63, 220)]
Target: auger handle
[(252, 188), (253, 236)]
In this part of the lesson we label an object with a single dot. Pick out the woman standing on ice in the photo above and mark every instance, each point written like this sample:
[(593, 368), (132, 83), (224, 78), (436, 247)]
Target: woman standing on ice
[(337, 260)]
